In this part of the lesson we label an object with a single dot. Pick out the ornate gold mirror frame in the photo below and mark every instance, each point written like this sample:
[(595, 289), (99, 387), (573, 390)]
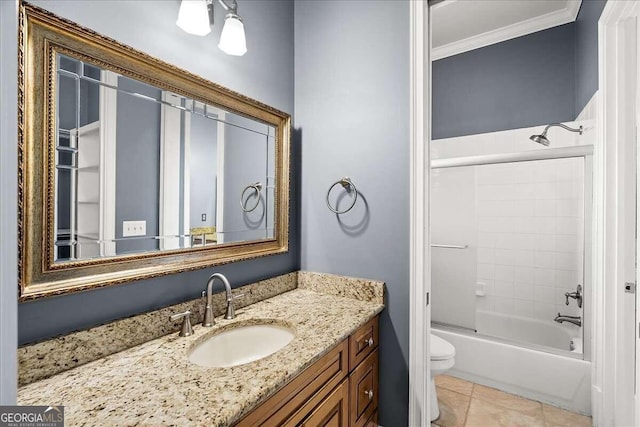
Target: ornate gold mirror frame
[(42, 36)]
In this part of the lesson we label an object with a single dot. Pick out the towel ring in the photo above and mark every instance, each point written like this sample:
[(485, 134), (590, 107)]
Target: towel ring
[(346, 183), (257, 187)]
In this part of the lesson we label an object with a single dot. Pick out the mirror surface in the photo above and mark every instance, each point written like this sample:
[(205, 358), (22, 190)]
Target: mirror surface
[(141, 169), (132, 168)]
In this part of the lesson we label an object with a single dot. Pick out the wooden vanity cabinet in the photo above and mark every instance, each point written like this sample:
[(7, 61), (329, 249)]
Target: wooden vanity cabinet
[(340, 389)]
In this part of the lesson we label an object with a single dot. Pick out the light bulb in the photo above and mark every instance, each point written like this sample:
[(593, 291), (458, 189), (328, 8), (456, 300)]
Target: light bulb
[(232, 39), (193, 17)]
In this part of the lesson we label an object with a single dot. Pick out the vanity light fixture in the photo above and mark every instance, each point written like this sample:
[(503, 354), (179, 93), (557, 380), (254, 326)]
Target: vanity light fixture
[(193, 17), (196, 17)]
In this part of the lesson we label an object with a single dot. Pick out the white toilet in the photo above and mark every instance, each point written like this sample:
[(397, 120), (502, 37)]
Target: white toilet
[(442, 354)]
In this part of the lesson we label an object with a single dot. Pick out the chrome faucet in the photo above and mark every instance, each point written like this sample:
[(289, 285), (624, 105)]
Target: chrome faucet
[(576, 320), (208, 310), (577, 295)]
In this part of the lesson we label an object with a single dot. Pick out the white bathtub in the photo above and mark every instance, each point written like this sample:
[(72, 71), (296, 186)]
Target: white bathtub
[(551, 378), (527, 330)]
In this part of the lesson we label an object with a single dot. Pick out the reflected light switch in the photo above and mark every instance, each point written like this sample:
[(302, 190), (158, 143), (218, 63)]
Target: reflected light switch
[(134, 228)]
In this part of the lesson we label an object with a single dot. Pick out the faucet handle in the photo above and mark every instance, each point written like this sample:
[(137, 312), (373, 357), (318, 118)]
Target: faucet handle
[(186, 329), (231, 309)]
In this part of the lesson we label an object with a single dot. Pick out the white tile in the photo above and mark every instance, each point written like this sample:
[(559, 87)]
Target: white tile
[(544, 294), (503, 305), (546, 190), (504, 273), (523, 258), (546, 208), (524, 241), (504, 257), (485, 303), (567, 279), (486, 240), (485, 255), (566, 243), (524, 275), (524, 191), (524, 207), (545, 242), (544, 225), (505, 241), (544, 171), (567, 261), (570, 207), (485, 271), (570, 190), (494, 192), (545, 259), (527, 225), (523, 291), (523, 308), (544, 311), (545, 276), (503, 289)]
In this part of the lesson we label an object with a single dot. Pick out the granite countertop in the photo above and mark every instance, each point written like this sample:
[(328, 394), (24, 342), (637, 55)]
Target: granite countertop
[(155, 384)]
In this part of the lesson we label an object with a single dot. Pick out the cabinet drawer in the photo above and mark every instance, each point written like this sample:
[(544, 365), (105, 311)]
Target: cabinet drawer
[(363, 391), (308, 388), (332, 411), (362, 342)]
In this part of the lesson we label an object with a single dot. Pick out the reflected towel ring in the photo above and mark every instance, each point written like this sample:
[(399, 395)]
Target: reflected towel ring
[(346, 183), (257, 187)]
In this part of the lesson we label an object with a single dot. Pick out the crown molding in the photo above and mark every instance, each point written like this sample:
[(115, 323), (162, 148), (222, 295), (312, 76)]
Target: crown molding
[(519, 29)]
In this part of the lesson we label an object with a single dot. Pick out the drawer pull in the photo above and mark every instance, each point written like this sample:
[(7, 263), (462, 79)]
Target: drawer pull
[(369, 393), (369, 341)]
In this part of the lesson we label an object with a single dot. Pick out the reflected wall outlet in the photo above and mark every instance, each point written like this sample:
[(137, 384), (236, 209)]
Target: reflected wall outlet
[(134, 228), (204, 217)]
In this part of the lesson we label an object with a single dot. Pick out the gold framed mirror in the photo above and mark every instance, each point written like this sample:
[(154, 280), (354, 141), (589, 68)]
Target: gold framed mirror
[(131, 168)]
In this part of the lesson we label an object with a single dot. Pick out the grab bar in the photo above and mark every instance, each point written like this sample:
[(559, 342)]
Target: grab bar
[(433, 245)]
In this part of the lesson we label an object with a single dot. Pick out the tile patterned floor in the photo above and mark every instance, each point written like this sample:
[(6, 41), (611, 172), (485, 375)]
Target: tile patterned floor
[(465, 404)]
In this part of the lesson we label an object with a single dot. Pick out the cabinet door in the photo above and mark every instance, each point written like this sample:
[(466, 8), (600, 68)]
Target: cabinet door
[(332, 411), (307, 390), (362, 342), (363, 391)]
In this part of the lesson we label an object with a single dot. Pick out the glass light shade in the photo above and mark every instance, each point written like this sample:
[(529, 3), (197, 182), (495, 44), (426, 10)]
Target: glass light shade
[(193, 17), (232, 39)]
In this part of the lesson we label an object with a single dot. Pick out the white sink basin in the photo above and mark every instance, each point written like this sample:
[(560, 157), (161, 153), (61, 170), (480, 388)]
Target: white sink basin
[(241, 345)]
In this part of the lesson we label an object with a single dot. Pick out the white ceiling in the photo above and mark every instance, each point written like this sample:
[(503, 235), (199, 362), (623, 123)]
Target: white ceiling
[(462, 25)]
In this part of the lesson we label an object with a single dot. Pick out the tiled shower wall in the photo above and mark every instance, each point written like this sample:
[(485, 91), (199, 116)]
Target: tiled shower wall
[(530, 223), (530, 227)]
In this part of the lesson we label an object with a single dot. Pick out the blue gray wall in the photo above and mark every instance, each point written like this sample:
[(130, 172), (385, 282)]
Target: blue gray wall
[(352, 118), (137, 163), (586, 28), (544, 77), (264, 73), (523, 82)]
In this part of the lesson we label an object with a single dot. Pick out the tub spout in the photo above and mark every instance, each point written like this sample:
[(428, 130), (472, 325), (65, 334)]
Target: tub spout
[(576, 320)]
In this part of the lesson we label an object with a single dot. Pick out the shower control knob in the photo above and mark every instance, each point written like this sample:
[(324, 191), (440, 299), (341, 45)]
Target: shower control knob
[(577, 295)]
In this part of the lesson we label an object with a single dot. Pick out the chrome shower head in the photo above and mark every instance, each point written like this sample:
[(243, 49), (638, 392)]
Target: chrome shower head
[(542, 138)]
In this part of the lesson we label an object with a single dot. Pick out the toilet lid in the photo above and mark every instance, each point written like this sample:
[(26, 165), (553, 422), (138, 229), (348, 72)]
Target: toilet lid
[(441, 349)]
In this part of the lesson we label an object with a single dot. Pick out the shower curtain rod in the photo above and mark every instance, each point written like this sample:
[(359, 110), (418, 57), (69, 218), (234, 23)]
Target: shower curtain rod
[(523, 156)]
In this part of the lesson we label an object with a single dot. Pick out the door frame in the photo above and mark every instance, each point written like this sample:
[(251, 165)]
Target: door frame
[(611, 148), (420, 256)]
